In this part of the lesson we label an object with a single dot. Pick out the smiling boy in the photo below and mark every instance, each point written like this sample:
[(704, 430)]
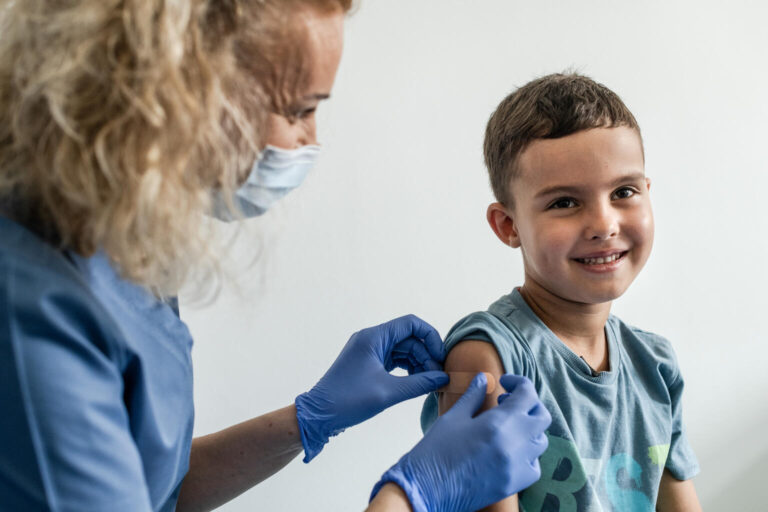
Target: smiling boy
[(567, 167)]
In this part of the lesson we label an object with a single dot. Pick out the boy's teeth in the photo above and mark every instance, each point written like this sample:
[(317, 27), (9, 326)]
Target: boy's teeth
[(598, 261)]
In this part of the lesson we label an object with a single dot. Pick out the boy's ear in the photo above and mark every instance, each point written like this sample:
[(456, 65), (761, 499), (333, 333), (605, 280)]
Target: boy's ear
[(648, 183), (501, 222)]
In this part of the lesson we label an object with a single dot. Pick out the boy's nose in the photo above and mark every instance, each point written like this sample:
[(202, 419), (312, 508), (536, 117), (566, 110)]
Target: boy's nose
[(602, 223)]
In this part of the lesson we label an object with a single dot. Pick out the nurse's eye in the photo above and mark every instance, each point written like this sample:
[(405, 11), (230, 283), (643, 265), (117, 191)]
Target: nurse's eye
[(304, 114), (562, 203), (301, 114), (624, 193)]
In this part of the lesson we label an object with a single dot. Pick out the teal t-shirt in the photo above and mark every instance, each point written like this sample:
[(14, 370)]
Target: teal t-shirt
[(612, 432)]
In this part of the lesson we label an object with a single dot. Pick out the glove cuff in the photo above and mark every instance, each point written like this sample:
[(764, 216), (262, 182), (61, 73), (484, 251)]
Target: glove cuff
[(313, 436), (395, 475)]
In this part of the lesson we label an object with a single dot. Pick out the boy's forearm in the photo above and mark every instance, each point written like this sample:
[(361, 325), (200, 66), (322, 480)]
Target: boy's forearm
[(225, 464), (677, 495)]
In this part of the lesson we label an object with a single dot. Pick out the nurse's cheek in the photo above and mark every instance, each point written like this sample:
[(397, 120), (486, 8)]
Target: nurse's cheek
[(291, 134)]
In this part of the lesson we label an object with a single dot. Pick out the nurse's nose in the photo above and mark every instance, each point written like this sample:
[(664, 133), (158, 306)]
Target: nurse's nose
[(309, 134), (602, 222)]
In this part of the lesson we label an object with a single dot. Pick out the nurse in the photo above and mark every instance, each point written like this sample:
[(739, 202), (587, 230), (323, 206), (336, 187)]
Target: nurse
[(121, 123)]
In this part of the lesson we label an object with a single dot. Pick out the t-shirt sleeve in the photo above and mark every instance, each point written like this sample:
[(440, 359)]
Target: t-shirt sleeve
[(681, 462), (67, 444), (485, 326)]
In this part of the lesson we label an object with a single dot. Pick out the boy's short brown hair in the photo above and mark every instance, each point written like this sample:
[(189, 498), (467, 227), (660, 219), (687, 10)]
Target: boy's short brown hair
[(549, 107)]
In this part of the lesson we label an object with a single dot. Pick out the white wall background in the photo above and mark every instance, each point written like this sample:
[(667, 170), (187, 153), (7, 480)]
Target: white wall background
[(392, 221)]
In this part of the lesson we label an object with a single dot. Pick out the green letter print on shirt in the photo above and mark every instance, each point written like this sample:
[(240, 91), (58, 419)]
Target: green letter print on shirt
[(563, 475)]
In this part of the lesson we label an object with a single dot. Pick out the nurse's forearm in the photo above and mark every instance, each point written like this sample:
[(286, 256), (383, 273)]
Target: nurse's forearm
[(225, 464)]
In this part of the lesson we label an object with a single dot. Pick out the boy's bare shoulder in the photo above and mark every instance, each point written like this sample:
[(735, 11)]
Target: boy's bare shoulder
[(474, 356)]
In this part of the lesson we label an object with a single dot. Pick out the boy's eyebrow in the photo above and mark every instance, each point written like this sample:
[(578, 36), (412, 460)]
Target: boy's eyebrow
[(633, 176), (559, 189), (572, 189)]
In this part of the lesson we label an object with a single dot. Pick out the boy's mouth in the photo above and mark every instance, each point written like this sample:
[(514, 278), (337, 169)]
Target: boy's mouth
[(603, 260)]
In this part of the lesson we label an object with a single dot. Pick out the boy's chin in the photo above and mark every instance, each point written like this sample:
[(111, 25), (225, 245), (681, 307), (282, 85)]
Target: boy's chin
[(580, 291), (589, 295)]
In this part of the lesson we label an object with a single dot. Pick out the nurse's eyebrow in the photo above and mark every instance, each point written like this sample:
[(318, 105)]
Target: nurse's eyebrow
[(319, 96)]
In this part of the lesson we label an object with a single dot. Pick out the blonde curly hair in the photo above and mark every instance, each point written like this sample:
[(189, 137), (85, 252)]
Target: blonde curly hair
[(118, 118)]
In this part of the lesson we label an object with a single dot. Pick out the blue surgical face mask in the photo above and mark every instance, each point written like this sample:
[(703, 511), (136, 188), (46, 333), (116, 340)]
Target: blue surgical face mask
[(275, 173)]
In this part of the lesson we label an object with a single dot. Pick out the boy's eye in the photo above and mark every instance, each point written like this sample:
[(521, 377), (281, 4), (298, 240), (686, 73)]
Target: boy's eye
[(624, 193), (563, 202)]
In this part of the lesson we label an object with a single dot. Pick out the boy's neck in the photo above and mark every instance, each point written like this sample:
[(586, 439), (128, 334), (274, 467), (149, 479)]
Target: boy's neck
[(580, 326)]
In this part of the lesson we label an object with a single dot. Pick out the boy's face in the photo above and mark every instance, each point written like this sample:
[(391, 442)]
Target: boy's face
[(582, 214)]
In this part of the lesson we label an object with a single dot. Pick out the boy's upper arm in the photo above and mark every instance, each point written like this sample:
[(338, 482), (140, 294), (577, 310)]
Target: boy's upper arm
[(472, 356), (677, 495), (477, 356)]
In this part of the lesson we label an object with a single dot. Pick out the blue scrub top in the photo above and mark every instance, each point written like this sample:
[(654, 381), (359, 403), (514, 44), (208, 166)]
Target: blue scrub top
[(96, 406)]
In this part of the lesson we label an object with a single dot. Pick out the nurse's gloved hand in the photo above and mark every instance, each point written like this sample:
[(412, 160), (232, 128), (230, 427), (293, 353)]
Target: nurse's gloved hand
[(465, 463), (358, 385)]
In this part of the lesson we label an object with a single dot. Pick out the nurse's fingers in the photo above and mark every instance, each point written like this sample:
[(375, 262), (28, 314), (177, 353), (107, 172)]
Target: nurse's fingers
[(521, 393), (411, 325), (541, 414), (420, 384), (416, 354)]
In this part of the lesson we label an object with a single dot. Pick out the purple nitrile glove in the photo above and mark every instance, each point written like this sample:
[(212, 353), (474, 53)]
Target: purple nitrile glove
[(465, 463), (358, 385)]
